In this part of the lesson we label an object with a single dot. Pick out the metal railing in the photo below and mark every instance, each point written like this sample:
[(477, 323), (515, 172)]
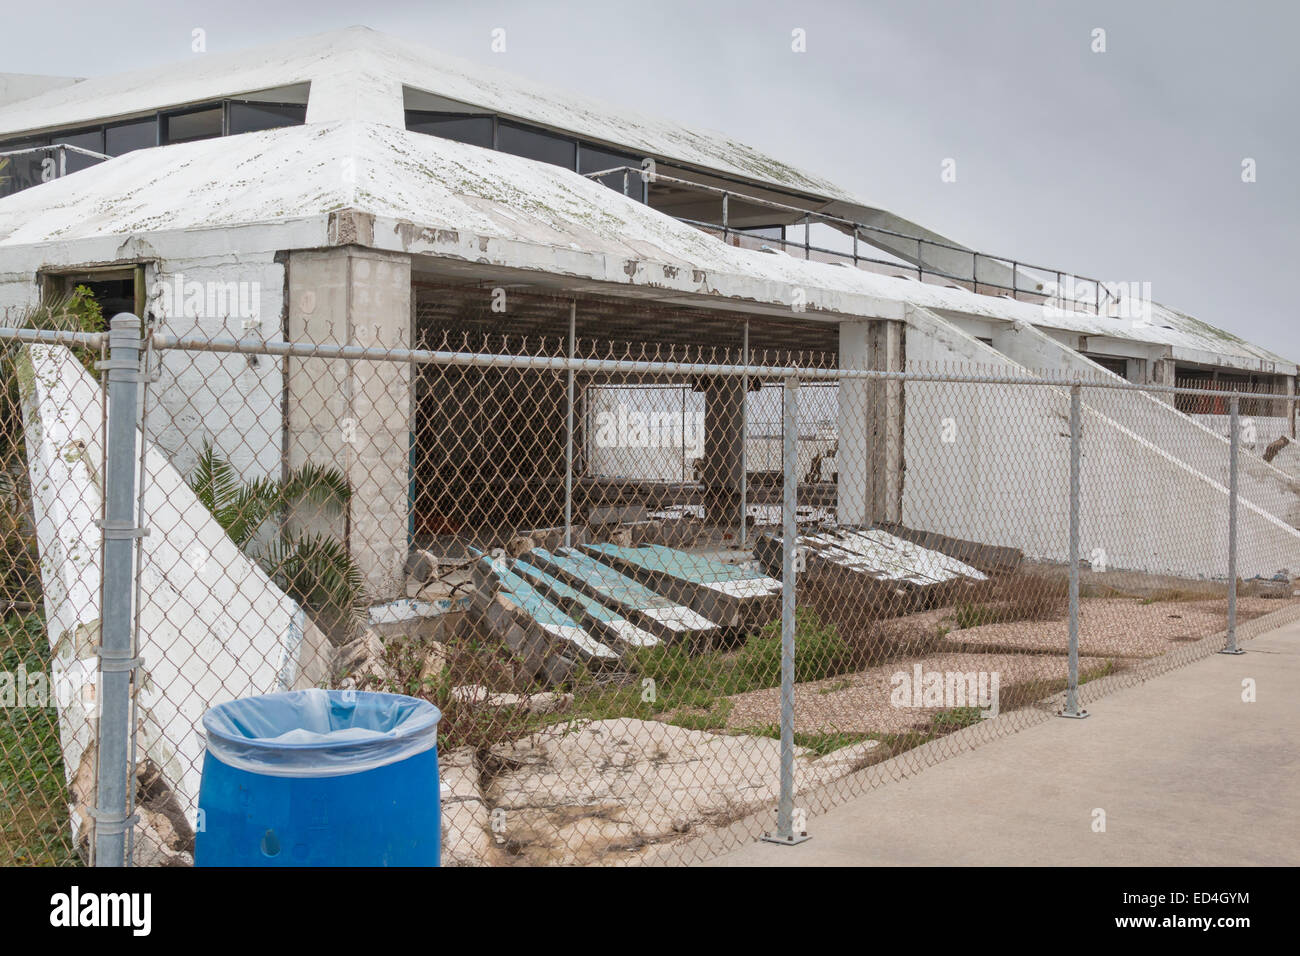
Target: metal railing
[(1102, 296), (58, 153)]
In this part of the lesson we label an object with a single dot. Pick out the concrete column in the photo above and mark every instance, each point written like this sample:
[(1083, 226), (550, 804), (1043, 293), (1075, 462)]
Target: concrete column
[(723, 465), (1290, 410), (1162, 373), (355, 416), (869, 458)]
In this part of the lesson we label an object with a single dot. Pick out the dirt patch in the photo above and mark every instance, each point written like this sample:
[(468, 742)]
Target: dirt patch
[(865, 702)]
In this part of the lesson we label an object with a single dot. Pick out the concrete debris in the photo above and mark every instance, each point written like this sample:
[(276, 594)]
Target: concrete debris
[(417, 620), (876, 555), (362, 660), (545, 702), (466, 823), (422, 566), (991, 559), (608, 788), (727, 594)]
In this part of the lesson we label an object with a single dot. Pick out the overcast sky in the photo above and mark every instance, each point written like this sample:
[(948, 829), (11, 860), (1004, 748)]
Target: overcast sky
[(1125, 165)]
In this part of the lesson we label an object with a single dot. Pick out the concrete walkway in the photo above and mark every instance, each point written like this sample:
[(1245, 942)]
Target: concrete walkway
[(1186, 773)]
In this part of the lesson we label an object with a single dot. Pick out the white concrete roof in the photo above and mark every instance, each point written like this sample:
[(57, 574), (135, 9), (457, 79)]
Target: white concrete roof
[(359, 74), (436, 197)]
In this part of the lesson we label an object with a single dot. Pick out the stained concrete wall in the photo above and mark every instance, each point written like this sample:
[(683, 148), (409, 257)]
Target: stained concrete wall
[(1156, 421), (991, 463), (355, 416)]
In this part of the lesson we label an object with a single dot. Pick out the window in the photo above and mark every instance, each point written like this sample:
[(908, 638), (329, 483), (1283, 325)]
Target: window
[(191, 126), (1111, 363), (92, 140), (23, 172), (474, 130), (592, 159), (124, 137), (251, 117), (536, 144)]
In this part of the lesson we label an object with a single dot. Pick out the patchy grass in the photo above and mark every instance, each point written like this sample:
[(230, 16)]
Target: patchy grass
[(34, 828), (689, 688), (819, 743)]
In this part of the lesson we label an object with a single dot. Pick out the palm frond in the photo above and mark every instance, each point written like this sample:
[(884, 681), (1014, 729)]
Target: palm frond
[(216, 484), (326, 488), (318, 572)]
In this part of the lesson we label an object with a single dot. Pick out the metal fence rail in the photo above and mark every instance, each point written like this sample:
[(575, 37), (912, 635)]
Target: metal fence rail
[(633, 665)]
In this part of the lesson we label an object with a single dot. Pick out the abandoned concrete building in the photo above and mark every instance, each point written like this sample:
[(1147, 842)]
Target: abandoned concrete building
[(356, 188)]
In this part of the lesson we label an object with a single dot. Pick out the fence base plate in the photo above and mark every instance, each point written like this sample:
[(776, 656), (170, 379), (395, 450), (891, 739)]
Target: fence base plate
[(1077, 715), (785, 841), (1232, 650)]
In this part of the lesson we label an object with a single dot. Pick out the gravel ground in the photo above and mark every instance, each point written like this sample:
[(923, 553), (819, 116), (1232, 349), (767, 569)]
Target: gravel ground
[(1112, 631), (1118, 627), (861, 702)]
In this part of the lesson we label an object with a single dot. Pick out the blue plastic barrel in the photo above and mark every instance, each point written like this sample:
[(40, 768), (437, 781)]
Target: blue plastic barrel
[(320, 778)]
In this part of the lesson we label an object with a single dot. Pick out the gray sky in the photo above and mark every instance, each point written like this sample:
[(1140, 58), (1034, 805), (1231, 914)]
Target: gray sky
[(1124, 165)]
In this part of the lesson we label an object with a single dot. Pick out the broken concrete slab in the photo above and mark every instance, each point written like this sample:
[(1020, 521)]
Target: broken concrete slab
[(603, 790), (545, 702), (665, 618), (417, 620), (728, 594), (889, 563), (605, 622), (548, 640), (213, 626), (466, 823), (991, 559)]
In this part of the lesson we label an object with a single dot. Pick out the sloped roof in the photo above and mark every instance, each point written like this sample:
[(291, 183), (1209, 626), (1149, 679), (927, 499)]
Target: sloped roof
[(340, 63), (444, 198)]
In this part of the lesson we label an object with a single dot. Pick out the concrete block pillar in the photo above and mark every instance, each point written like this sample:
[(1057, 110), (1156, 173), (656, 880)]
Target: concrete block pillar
[(869, 459), (355, 416), (1161, 372), (723, 465)]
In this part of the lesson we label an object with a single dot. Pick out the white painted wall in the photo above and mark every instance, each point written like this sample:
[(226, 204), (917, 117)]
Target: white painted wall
[(1151, 416), (1004, 478)]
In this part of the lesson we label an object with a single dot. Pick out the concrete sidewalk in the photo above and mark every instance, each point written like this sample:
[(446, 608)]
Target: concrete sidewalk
[(1186, 773)]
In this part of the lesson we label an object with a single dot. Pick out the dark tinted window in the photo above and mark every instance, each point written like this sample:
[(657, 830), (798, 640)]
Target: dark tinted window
[(251, 117), (535, 144), (125, 137), (22, 172), (201, 124), (475, 130), (93, 140), (592, 159)]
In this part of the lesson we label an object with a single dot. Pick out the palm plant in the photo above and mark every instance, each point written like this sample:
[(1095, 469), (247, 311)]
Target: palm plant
[(316, 570)]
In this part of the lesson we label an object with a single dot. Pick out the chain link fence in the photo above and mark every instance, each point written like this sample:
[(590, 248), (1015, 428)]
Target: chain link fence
[(667, 598)]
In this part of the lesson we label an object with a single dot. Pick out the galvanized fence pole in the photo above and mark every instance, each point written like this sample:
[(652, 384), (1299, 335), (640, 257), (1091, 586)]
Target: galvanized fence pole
[(744, 438), (1076, 436), (568, 444), (785, 822), (1234, 452), (116, 663)]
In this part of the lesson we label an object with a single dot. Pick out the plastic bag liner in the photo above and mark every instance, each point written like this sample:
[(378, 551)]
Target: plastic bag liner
[(319, 733)]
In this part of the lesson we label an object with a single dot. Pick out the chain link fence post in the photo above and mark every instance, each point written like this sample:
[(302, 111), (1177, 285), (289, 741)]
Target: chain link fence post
[(1234, 450), (785, 828), (112, 818), (1076, 435)]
